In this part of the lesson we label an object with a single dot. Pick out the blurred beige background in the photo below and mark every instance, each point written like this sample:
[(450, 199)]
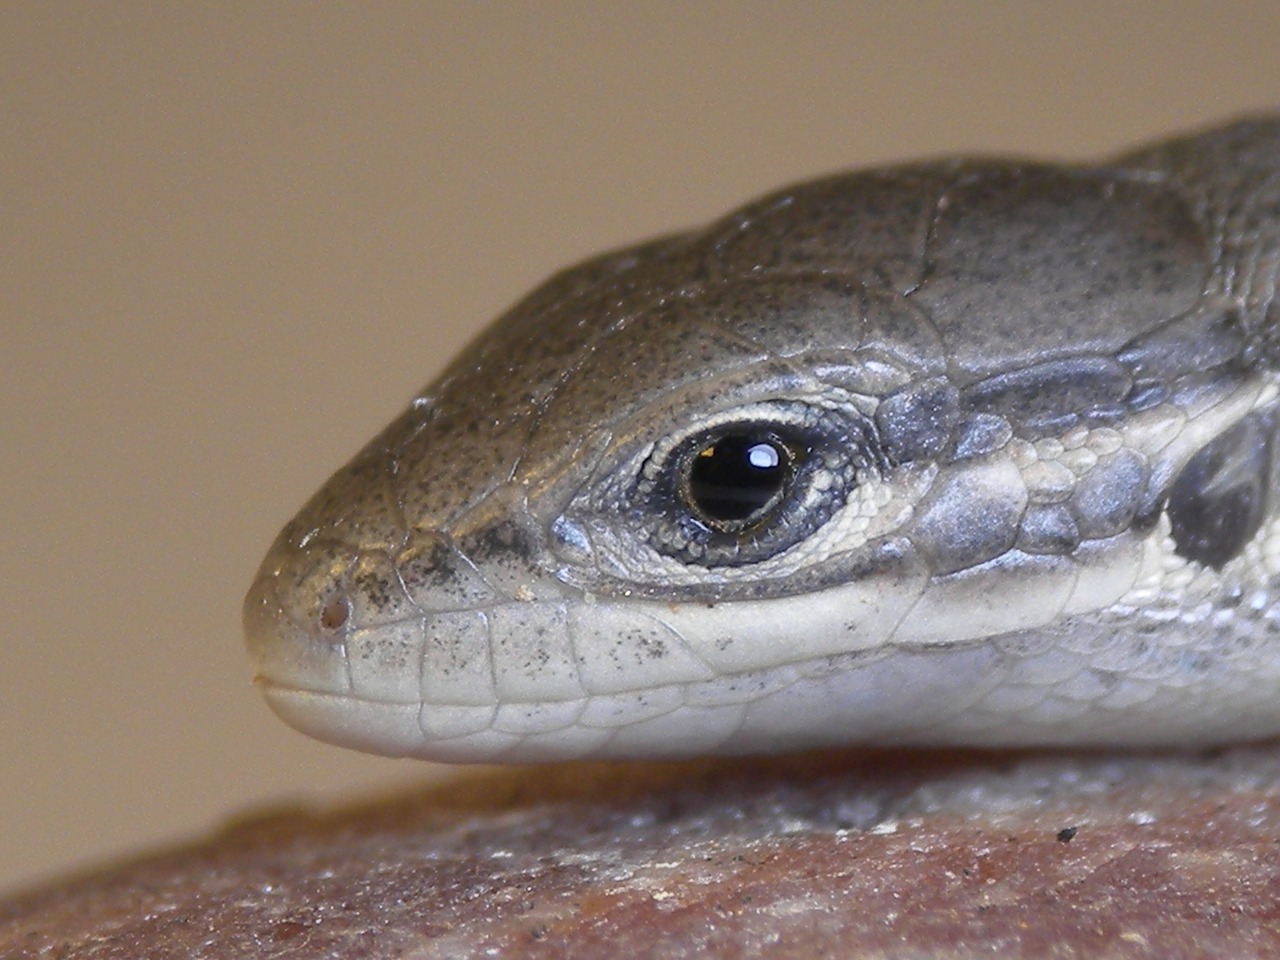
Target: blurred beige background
[(237, 237)]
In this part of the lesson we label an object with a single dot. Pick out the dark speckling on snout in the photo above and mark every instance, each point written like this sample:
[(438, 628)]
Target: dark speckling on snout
[(506, 540)]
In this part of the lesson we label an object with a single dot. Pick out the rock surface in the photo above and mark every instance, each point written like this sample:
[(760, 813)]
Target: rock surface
[(849, 855)]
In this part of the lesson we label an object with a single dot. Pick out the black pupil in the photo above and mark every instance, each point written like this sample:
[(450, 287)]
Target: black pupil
[(736, 477)]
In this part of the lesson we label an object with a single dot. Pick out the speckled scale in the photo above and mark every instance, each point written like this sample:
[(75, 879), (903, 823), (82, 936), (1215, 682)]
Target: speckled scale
[(812, 316), (1058, 261), (359, 506), (870, 226), (1229, 178)]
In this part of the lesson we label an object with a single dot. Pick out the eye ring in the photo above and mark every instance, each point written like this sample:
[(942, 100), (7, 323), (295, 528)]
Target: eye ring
[(822, 453)]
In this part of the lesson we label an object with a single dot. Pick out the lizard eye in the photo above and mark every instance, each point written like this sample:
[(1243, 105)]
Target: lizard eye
[(754, 482), (737, 479)]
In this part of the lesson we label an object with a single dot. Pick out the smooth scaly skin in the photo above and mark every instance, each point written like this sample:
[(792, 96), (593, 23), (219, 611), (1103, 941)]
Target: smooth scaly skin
[(1007, 367)]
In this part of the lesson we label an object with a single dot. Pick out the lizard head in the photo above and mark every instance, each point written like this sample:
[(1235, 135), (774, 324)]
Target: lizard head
[(920, 454)]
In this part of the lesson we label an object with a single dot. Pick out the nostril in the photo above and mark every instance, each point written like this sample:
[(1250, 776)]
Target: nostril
[(334, 614)]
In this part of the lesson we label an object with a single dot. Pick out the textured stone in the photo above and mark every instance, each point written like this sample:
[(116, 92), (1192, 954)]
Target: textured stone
[(854, 855)]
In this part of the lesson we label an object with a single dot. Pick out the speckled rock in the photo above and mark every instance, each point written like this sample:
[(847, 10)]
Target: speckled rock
[(850, 855)]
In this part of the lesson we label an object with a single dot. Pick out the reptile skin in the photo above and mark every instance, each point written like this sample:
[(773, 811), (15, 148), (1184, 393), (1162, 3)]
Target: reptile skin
[(962, 452)]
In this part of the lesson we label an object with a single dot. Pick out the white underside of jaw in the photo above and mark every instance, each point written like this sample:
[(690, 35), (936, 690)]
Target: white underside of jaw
[(977, 694)]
